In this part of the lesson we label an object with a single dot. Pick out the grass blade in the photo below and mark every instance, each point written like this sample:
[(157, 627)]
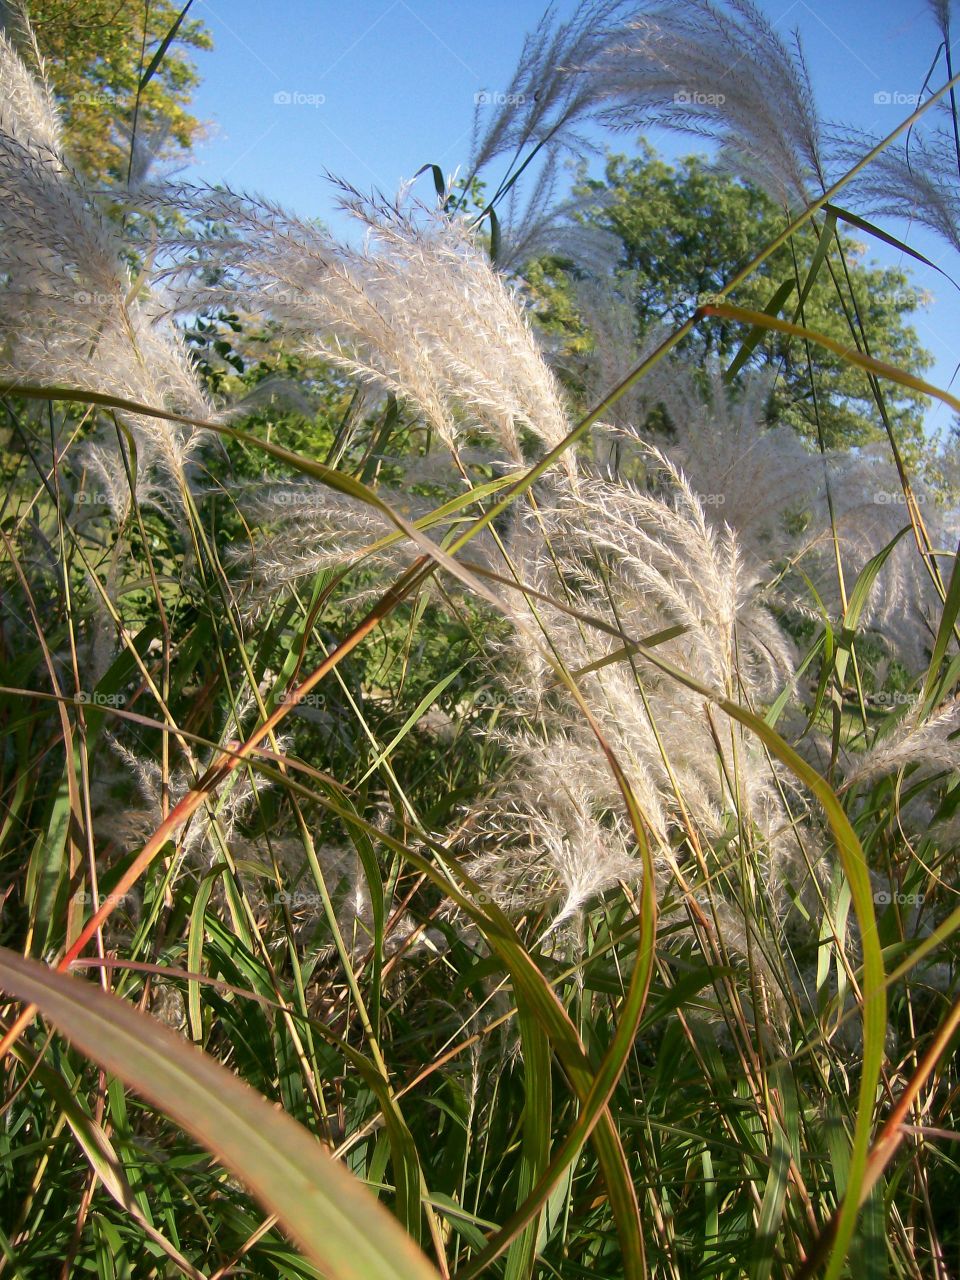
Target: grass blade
[(338, 1225)]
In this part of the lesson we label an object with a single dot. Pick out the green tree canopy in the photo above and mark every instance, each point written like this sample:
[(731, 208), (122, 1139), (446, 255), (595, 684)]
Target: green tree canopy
[(96, 53), (686, 230)]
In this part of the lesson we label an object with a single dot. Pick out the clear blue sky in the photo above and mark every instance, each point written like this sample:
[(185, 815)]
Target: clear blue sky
[(381, 87)]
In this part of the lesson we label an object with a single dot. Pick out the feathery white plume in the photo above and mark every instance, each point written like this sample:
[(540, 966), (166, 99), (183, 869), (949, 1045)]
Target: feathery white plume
[(932, 744), (548, 96), (70, 312), (777, 494), (418, 310), (718, 71), (644, 561)]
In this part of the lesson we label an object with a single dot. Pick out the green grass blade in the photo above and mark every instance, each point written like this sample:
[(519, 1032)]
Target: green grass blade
[(852, 356), (948, 620), (750, 342), (334, 1220), (164, 45)]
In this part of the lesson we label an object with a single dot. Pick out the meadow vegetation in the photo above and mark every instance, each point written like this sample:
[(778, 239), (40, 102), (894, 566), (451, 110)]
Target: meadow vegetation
[(479, 785)]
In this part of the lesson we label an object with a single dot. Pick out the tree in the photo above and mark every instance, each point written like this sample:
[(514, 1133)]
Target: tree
[(685, 231), (96, 54)]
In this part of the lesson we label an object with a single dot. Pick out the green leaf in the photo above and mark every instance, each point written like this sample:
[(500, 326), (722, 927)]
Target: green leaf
[(873, 986), (846, 352), (535, 1152), (864, 584), (948, 619), (337, 1223), (426, 701), (863, 225), (439, 182), (819, 257), (756, 333), (157, 58), (102, 1157), (496, 238), (771, 1207), (195, 950)]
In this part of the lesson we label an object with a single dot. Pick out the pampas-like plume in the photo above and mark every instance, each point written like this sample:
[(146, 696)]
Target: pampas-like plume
[(348, 888), (306, 528), (932, 745), (915, 181), (617, 345), (70, 313), (417, 311), (919, 185), (750, 476), (548, 97), (645, 562), (199, 840), (27, 96), (543, 225), (714, 70), (699, 548), (777, 494), (718, 71), (941, 14), (870, 510), (688, 545)]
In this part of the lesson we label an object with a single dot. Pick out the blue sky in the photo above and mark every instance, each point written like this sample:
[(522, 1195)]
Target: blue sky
[(380, 87)]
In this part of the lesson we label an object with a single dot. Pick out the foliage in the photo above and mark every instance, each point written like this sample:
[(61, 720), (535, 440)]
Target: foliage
[(682, 231), (551, 814), (97, 52)]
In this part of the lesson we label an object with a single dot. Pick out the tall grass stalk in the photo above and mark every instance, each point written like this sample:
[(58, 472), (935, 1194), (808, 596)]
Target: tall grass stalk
[(536, 821)]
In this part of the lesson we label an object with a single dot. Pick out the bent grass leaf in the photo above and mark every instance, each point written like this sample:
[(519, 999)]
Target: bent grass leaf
[(874, 995), (948, 620), (102, 1157), (772, 308), (880, 368), (337, 1224), (164, 45), (825, 234), (871, 229)]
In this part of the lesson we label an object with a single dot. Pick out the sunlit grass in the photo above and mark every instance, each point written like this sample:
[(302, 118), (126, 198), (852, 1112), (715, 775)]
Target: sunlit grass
[(575, 877)]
